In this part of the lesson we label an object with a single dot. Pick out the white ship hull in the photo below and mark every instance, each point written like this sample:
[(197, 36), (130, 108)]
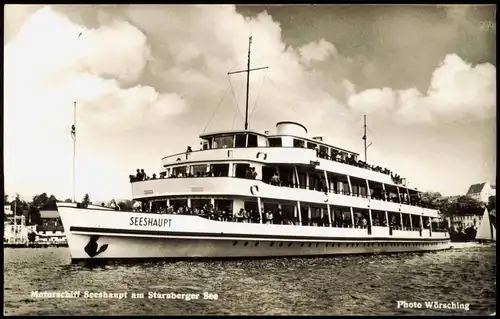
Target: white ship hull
[(105, 234)]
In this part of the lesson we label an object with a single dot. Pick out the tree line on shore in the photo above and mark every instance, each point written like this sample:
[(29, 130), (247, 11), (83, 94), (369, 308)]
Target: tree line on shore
[(31, 209)]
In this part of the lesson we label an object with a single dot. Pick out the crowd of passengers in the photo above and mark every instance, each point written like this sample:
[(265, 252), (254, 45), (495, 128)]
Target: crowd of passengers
[(319, 185), (277, 217), (351, 160)]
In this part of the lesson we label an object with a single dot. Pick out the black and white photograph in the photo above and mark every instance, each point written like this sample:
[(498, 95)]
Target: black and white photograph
[(221, 159)]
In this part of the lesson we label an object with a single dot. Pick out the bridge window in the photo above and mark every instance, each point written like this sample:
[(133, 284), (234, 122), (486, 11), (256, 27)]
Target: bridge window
[(206, 145), (223, 141), (199, 169), (220, 169), (311, 145), (241, 140), (323, 151), (252, 140), (275, 142), (298, 143)]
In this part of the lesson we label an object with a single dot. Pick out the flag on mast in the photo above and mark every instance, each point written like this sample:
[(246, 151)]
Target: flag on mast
[(73, 132)]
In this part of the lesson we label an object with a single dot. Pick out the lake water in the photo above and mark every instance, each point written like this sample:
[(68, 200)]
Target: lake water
[(347, 285)]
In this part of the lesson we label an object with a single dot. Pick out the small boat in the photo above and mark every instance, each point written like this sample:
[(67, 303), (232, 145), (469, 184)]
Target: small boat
[(486, 233)]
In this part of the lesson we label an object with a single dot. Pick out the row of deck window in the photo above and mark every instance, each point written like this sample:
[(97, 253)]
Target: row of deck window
[(286, 177), (288, 214)]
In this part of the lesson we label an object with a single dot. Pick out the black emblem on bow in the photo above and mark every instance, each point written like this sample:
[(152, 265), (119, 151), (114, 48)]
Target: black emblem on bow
[(91, 248)]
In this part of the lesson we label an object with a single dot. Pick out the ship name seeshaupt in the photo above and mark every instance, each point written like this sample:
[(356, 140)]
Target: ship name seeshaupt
[(150, 221)]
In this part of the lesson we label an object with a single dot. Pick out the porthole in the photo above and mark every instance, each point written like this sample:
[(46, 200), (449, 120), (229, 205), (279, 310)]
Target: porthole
[(246, 244), (281, 244), (310, 244), (271, 244), (234, 243), (301, 244), (317, 244), (256, 243), (326, 244)]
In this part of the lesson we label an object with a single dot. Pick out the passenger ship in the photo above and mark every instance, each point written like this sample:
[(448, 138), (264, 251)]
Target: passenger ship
[(321, 198)]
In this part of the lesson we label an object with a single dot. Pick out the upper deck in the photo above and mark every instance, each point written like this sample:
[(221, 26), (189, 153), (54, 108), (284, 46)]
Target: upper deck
[(288, 145)]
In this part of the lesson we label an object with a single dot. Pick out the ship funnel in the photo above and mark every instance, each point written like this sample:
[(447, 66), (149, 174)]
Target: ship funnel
[(291, 128)]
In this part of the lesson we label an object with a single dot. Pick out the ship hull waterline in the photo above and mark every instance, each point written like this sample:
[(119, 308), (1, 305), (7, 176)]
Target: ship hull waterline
[(94, 234)]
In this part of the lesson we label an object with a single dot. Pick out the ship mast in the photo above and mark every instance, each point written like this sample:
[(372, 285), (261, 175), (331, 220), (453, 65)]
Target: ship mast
[(73, 135), (248, 70), (364, 138)]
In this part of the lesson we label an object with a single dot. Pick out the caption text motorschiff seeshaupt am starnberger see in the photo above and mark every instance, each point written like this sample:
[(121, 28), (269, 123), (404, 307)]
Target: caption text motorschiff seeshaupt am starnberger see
[(124, 295)]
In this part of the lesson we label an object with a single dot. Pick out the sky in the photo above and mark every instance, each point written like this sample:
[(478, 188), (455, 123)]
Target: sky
[(147, 80)]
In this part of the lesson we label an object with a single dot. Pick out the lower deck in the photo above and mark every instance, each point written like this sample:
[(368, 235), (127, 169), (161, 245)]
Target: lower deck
[(109, 234), (270, 211)]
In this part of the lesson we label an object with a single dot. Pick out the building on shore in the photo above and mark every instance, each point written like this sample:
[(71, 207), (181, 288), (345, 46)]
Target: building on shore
[(481, 192), (18, 233)]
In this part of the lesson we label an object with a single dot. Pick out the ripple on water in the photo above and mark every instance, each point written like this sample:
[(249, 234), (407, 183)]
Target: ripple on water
[(349, 285)]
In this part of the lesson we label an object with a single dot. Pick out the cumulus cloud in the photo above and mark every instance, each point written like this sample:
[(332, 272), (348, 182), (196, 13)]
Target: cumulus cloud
[(135, 69), (316, 51), (457, 91), (48, 66)]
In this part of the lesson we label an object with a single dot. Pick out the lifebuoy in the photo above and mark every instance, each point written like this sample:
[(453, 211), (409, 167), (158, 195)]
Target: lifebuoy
[(258, 154), (254, 187), (325, 198)]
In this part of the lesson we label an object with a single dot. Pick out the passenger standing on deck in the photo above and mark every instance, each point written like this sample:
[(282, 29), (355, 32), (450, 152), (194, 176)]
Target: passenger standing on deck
[(275, 180), (248, 173), (269, 217), (254, 173), (253, 218), (188, 151), (322, 183), (217, 214), (278, 217), (364, 222), (245, 216), (239, 215)]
